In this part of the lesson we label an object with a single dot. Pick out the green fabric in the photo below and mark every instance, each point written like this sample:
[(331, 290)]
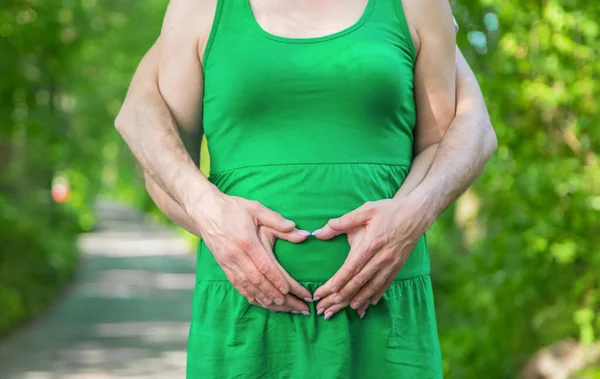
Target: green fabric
[(312, 128)]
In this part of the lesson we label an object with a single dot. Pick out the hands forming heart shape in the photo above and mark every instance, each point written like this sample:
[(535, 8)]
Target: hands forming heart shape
[(381, 235)]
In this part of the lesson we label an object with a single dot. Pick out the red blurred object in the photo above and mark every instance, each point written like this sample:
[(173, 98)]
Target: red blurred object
[(60, 192)]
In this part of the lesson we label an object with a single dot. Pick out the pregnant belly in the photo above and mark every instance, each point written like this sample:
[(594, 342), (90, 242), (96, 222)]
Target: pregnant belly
[(309, 195)]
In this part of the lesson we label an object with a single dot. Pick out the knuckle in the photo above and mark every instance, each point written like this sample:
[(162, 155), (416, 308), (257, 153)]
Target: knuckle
[(270, 294), (245, 245), (377, 243), (353, 269), (224, 257), (256, 278), (385, 259), (264, 268), (377, 285), (253, 204), (243, 282), (360, 280)]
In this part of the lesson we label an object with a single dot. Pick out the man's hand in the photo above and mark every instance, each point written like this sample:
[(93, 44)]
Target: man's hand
[(229, 227), (381, 235)]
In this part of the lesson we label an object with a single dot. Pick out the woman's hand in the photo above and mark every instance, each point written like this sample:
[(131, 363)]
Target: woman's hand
[(291, 302), (229, 227), (381, 235)]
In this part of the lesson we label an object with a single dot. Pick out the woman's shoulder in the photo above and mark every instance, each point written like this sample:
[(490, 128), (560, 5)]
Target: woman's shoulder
[(425, 18), (199, 13)]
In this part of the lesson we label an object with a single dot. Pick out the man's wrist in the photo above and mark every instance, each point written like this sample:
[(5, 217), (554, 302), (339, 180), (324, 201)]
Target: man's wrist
[(195, 191), (428, 201)]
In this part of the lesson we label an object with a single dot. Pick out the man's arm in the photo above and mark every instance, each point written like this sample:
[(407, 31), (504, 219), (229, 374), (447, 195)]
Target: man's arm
[(462, 153), (466, 147), (145, 99), (148, 122)]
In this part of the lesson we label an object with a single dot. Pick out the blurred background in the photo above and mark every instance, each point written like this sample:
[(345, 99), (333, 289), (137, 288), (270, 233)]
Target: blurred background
[(89, 288)]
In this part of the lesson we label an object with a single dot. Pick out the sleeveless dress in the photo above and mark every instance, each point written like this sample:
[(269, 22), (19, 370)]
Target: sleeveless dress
[(312, 128)]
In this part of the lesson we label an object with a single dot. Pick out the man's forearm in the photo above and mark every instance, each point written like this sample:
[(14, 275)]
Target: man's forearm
[(170, 207), (464, 150), (418, 169), (149, 129)]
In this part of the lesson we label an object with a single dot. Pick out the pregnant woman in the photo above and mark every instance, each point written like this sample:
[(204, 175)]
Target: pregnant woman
[(322, 119)]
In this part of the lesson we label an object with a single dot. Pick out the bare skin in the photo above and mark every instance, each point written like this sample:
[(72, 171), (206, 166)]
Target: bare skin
[(453, 145)]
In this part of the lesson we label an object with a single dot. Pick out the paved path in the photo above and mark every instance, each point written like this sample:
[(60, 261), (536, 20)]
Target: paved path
[(126, 316)]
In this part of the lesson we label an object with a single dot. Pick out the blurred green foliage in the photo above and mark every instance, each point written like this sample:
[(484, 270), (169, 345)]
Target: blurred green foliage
[(516, 261), (529, 272), (65, 66)]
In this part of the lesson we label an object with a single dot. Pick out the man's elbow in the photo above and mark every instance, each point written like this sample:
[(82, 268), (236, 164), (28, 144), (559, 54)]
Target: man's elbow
[(490, 141), (123, 118)]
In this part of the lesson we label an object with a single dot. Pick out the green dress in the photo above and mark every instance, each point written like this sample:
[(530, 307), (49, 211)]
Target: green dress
[(312, 128)]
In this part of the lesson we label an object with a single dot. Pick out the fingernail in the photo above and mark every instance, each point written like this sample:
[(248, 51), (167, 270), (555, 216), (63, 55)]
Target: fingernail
[(308, 299), (295, 312), (327, 315), (320, 310), (278, 301), (338, 299), (316, 298), (363, 314), (306, 313), (303, 233), (283, 290), (355, 305), (267, 301), (289, 223), (335, 221), (317, 232)]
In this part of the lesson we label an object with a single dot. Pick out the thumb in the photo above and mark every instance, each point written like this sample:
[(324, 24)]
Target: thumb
[(358, 217), (273, 220), (344, 224)]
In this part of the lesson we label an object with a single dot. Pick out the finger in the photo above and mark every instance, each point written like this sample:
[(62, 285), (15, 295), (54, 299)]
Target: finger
[(379, 294), (326, 233), (295, 236), (297, 305), (380, 282), (358, 217), (325, 303), (294, 287), (357, 258), (253, 275), (356, 284), (291, 305), (323, 291), (237, 278), (273, 220), (268, 267), (362, 310), (329, 312)]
